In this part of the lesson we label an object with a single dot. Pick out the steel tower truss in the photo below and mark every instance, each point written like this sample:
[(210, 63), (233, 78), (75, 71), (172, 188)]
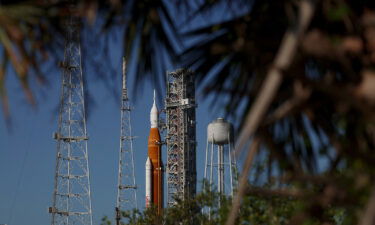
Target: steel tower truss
[(71, 196), (181, 135), (126, 189)]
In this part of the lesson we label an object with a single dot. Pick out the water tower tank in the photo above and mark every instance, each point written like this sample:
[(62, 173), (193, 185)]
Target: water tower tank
[(219, 132)]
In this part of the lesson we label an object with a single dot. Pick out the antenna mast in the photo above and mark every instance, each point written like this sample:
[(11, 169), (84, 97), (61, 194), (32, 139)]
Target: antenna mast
[(71, 196), (126, 189)]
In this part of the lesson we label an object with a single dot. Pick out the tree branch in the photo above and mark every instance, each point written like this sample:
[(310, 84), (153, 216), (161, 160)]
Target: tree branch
[(369, 217), (267, 93), (243, 181)]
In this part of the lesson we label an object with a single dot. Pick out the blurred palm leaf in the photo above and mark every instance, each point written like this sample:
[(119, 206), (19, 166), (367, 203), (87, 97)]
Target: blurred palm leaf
[(150, 31), (29, 34), (17, 22)]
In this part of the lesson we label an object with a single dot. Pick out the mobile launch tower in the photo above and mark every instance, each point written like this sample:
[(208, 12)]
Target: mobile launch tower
[(181, 135), (71, 195), (126, 188)]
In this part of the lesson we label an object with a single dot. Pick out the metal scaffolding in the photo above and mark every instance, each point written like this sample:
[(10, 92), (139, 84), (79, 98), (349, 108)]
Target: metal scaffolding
[(181, 135), (126, 188), (71, 196)]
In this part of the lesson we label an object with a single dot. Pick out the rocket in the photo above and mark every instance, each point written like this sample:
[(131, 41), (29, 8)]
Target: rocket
[(154, 165)]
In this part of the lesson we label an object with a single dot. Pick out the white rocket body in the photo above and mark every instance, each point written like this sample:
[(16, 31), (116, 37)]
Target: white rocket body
[(148, 182)]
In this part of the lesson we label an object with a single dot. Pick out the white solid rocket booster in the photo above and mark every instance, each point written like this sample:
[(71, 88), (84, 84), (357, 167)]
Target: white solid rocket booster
[(148, 181)]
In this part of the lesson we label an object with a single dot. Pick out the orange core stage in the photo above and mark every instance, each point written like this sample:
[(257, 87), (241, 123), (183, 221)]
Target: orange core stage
[(154, 153)]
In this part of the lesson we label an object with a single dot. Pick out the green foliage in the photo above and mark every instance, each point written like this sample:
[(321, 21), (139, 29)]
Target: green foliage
[(105, 221), (339, 12), (271, 210), (255, 209)]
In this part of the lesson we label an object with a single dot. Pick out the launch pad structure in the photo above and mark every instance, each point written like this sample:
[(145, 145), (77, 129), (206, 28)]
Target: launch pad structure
[(181, 135)]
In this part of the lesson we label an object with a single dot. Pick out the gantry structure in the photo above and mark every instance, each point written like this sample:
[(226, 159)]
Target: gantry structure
[(71, 196), (126, 188), (180, 108)]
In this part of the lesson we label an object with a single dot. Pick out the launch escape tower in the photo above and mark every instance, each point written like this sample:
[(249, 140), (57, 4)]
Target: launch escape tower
[(126, 189), (181, 135), (71, 196)]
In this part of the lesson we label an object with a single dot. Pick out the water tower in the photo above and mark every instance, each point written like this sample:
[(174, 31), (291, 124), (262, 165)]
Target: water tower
[(220, 165)]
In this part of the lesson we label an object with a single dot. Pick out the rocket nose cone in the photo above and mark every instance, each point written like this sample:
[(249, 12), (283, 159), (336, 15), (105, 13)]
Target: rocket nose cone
[(154, 114), (148, 162)]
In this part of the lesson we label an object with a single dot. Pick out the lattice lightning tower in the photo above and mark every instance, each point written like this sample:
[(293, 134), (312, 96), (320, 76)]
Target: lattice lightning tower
[(71, 196), (126, 189), (181, 135)]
